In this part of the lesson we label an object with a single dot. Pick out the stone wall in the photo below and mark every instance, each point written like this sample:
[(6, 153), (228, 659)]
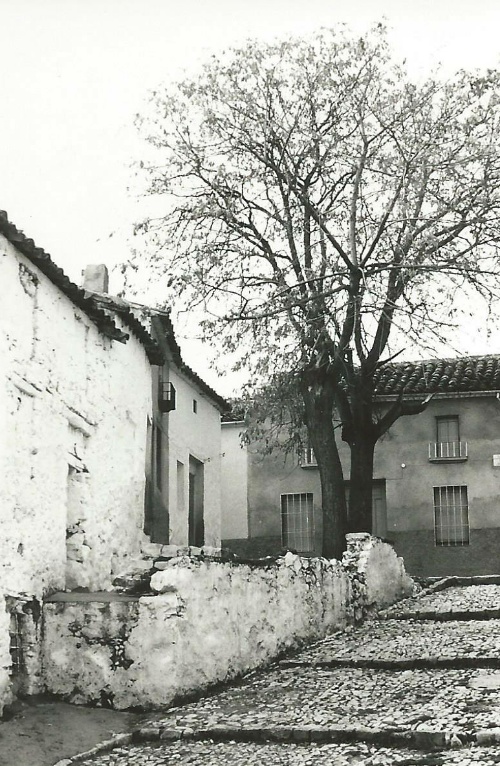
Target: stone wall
[(208, 622)]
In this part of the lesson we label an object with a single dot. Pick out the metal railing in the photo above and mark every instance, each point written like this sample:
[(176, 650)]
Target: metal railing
[(308, 458), (448, 451)]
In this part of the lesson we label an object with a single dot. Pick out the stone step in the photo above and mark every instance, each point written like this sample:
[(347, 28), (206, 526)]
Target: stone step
[(444, 616), (416, 663), (423, 739), (475, 602), (342, 704), (210, 753), (409, 643)]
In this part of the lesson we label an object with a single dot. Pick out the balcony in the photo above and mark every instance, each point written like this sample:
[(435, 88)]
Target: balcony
[(166, 396), (307, 458), (448, 452)]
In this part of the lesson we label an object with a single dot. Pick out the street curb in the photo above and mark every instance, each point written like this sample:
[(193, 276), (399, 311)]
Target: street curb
[(458, 615), (303, 735), (415, 663), (421, 740), (103, 747), (455, 581)]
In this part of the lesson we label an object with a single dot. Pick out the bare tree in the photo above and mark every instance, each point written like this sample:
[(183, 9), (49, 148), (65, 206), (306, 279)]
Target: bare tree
[(325, 210)]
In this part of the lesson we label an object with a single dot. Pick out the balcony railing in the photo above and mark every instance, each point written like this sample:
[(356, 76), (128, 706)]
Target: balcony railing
[(308, 459), (448, 451)]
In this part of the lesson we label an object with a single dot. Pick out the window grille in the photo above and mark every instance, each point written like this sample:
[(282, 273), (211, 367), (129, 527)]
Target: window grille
[(451, 515), (16, 643), (297, 517)]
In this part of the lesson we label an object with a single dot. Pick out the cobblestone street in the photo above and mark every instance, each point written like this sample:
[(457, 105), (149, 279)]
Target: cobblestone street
[(418, 685)]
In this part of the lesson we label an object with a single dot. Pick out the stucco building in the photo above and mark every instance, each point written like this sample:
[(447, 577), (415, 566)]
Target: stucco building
[(436, 487), (102, 427), (183, 483)]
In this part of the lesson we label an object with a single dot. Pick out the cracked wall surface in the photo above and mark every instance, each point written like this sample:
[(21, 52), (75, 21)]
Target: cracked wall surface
[(73, 417)]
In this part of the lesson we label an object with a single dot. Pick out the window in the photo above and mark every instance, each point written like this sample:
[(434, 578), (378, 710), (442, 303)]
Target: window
[(451, 515), (297, 522), (195, 405), (447, 431), (447, 445), (308, 458), (166, 395), (16, 644)]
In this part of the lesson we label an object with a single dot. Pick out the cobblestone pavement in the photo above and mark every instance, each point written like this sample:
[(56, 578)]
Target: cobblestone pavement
[(387, 642), (447, 603), (397, 690)]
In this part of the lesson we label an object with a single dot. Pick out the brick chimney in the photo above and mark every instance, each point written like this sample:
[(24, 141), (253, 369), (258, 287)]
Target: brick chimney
[(96, 278)]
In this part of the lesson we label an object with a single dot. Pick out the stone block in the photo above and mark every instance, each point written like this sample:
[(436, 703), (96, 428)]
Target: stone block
[(485, 681), (169, 551), (194, 550), (486, 737), (430, 740), (211, 552), (171, 735), (160, 566), (152, 550), (146, 734), (163, 581)]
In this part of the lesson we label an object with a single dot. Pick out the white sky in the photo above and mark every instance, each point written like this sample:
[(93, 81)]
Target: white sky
[(75, 72)]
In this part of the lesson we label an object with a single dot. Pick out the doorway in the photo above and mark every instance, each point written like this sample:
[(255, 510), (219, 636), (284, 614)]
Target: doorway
[(196, 530), (379, 510)]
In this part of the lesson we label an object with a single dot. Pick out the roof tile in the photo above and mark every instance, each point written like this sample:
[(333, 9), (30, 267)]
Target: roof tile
[(464, 374)]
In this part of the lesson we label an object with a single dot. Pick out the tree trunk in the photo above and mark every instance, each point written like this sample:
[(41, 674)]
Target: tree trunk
[(362, 437), (360, 494), (317, 393)]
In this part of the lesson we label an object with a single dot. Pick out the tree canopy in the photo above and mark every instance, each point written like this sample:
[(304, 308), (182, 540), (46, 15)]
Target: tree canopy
[(325, 210)]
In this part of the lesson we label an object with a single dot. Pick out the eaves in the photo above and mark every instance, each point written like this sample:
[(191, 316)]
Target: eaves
[(42, 260)]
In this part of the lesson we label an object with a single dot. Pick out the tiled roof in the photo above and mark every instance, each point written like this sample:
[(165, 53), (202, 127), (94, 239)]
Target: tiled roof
[(84, 300), (440, 376), (122, 308), (44, 262), (125, 309)]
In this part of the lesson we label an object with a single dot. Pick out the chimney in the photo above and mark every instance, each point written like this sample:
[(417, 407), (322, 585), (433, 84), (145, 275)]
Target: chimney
[(96, 278)]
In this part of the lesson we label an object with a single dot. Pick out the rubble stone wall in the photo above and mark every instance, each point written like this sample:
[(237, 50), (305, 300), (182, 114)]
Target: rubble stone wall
[(208, 622), (377, 573)]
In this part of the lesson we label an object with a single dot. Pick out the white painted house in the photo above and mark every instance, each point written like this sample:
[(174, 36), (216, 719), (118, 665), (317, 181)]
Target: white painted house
[(82, 436)]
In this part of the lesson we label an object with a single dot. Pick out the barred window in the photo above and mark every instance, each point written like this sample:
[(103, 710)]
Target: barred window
[(297, 514), (451, 515)]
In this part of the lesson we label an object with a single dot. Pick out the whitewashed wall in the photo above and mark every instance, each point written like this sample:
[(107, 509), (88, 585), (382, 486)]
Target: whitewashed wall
[(209, 622), (64, 387), (197, 434)]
